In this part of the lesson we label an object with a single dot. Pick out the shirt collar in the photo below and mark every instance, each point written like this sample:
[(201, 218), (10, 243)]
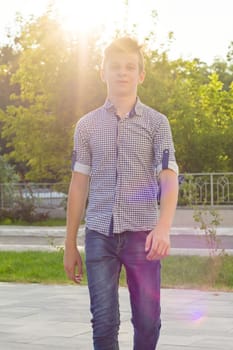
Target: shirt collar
[(136, 110)]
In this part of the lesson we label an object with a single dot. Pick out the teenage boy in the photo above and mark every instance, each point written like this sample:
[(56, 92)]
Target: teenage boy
[(118, 153)]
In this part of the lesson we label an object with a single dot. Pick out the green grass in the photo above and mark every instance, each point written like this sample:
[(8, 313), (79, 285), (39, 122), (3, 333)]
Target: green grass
[(198, 272), (33, 267), (48, 222), (177, 271)]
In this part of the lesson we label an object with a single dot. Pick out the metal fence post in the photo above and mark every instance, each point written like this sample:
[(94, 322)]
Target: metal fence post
[(211, 190)]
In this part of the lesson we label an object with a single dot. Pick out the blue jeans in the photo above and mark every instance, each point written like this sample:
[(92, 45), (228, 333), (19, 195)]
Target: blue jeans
[(105, 256)]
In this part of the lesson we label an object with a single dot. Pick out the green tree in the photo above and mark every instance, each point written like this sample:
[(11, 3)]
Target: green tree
[(8, 65), (7, 172), (57, 80), (49, 80), (224, 69)]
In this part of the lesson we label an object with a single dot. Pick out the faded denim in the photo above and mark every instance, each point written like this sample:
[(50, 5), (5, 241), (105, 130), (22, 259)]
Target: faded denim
[(105, 256)]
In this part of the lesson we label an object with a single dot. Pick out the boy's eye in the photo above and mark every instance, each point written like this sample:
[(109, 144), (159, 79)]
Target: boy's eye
[(114, 66), (131, 67)]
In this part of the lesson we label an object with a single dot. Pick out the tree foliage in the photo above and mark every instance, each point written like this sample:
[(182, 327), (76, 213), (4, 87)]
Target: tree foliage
[(48, 80), (54, 92)]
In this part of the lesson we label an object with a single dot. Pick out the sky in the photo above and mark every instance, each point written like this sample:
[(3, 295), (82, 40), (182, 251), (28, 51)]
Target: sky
[(202, 28)]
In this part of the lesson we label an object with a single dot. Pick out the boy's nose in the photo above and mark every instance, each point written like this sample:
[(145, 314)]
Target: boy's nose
[(122, 71)]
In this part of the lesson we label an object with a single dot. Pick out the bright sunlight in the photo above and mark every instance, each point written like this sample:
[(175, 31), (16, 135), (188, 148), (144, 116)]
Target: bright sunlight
[(88, 16)]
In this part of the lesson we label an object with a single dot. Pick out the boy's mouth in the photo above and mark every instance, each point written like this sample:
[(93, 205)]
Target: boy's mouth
[(122, 81)]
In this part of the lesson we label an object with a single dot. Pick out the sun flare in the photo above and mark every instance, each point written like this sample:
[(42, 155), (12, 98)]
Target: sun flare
[(87, 16)]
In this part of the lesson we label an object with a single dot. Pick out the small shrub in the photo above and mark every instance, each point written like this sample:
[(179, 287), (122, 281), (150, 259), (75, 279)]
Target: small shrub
[(23, 210)]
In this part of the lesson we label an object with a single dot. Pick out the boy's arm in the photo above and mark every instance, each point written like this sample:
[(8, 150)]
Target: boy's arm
[(77, 197), (158, 240)]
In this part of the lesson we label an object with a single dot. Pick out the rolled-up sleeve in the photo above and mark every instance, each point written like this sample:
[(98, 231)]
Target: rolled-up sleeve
[(81, 156), (163, 140)]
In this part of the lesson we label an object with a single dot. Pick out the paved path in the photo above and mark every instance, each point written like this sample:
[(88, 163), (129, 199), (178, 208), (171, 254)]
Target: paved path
[(53, 317), (184, 240)]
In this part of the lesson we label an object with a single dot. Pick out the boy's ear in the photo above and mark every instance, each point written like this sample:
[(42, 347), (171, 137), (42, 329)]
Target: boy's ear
[(141, 77)]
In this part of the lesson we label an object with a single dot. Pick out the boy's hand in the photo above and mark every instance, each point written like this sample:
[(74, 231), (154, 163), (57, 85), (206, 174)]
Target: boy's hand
[(73, 264), (158, 243)]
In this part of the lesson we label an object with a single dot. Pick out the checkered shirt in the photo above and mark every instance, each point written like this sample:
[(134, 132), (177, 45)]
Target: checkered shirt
[(123, 158)]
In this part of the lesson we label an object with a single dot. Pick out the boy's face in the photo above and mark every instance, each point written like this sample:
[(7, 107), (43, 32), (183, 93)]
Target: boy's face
[(122, 75)]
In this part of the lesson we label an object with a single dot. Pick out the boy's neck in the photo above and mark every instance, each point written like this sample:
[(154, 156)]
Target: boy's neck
[(123, 105)]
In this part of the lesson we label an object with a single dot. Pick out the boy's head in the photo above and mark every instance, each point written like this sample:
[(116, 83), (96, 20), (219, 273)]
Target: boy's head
[(124, 45)]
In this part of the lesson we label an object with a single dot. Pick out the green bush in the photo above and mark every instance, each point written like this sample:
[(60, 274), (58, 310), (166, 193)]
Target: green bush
[(23, 210)]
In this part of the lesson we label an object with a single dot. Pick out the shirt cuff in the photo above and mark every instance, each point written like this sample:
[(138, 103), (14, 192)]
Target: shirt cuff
[(82, 168), (171, 165)]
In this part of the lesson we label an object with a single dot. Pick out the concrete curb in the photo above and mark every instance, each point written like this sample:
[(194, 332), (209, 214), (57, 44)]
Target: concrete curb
[(184, 240)]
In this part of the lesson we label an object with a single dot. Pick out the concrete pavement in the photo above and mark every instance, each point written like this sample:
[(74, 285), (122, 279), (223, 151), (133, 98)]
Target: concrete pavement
[(184, 240), (186, 237), (47, 317)]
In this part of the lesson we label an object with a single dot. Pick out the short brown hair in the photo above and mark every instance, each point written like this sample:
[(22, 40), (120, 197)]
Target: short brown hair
[(124, 45)]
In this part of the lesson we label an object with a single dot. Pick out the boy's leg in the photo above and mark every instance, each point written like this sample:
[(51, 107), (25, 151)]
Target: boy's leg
[(143, 279), (103, 269)]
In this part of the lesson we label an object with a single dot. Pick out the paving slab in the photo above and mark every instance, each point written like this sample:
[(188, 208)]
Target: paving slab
[(37, 316)]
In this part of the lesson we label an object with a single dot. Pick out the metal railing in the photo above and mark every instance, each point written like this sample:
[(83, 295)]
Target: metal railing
[(43, 195), (213, 189)]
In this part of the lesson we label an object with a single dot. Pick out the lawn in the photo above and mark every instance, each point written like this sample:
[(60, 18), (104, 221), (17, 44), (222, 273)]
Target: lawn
[(177, 271), (47, 222)]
